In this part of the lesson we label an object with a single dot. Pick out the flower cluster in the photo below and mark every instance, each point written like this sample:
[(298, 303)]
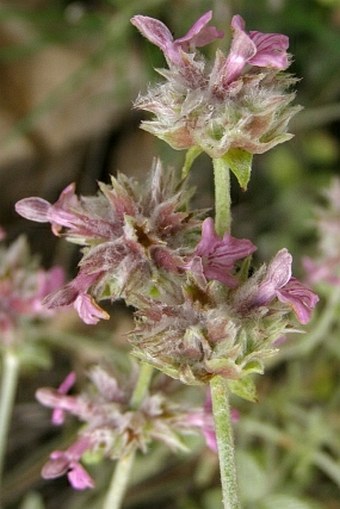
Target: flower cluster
[(225, 326), (325, 268), (241, 101), (23, 286), (111, 428), (198, 313), (131, 236)]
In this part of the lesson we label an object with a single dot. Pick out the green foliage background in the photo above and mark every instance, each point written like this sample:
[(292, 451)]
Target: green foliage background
[(289, 442)]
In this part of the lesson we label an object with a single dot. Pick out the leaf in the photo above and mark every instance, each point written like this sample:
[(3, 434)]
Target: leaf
[(239, 162), (190, 157), (253, 480), (288, 502), (244, 388)]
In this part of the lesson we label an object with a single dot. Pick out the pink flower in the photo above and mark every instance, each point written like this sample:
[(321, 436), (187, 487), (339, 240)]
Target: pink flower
[(88, 309), (156, 32), (75, 293), (23, 287), (67, 462), (254, 48), (215, 257), (84, 218), (322, 271), (278, 282), (300, 298)]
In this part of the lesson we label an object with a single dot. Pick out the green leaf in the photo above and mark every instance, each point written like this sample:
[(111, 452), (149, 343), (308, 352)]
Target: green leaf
[(239, 162), (288, 502), (253, 479), (244, 388), (190, 157)]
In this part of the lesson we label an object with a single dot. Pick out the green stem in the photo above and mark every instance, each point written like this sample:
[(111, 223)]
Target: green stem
[(225, 442), (190, 157), (142, 386), (218, 385), (9, 381), (119, 481), (222, 196), (121, 475)]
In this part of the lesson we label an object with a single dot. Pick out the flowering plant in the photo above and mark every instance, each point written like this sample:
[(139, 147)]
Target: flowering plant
[(204, 312)]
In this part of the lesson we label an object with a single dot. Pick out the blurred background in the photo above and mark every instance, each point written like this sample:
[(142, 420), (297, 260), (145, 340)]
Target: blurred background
[(69, 73)]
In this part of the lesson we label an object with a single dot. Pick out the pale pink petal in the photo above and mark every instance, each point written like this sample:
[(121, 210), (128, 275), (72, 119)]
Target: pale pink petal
[(34, 208), (159, 34), (278, 274), (271, 50), (156, 32), (79, 478), (254, 48), (58, 414), (199, 34), (88, 310), (242, 49), (56, 466)]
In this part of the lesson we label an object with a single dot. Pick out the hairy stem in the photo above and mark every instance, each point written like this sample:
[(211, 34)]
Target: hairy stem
[(10, 371), (119, 483), (222, 196), (218, 385), (121, 475), (225, 442)]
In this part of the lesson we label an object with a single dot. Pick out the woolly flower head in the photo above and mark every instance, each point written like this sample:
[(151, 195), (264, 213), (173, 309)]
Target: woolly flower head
[(111, 428), (239, 102), (131, 235), (224, 323)]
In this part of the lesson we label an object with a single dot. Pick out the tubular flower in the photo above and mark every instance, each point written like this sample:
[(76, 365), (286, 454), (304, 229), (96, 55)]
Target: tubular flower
[(215, 257), (156, 32), (256, 48), (276, 281), (110, 428), (23, 287), (240, 102), (130, 237), (67, 462)]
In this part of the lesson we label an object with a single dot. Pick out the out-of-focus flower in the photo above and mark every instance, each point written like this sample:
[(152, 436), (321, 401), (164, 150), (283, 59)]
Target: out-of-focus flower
[(325, 266), (110, 427), (215, 257), (58, 415), (130, 234), (204, 420), (23, 287), (67, 462), (241, 102)]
